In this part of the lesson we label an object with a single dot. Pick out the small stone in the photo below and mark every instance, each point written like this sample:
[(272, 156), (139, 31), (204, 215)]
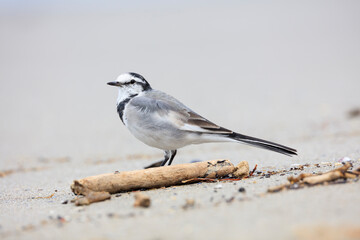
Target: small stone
[(190, 203), (230, 199), (218, 186), (267, 175), (118, 195), (142, 200), (242, 189)]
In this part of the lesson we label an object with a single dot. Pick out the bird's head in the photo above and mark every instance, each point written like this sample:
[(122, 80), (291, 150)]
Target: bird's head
[(130, 84)]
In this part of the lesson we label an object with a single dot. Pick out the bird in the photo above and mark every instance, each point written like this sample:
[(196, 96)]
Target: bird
[(161, 121)]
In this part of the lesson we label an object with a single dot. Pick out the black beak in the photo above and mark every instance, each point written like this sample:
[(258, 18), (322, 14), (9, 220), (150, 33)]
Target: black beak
[(114, 84)]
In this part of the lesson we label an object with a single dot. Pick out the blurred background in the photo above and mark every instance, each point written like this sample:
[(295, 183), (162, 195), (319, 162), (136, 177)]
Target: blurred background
[(271, 69)]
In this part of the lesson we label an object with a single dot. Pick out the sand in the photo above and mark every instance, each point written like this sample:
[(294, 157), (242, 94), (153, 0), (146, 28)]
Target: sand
[(286, 72)]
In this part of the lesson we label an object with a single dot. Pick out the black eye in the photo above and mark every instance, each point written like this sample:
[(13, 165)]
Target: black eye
[(132, 81)]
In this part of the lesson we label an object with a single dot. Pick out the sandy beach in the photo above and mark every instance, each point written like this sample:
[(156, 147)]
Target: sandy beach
[(281, 71)]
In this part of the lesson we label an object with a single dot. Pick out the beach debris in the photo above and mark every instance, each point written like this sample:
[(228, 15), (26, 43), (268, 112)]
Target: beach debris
[(309, 179), (345, 160), (241, 170), (353, 113), (252, 172), (230, 200), (141, 200), (190, 203), (46, 197), (297, 167), (90, 196), (154, 177), (218, 186), (326, 163)]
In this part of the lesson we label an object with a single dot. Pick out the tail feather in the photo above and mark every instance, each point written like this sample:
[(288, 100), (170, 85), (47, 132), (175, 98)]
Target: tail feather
[(257, 142)]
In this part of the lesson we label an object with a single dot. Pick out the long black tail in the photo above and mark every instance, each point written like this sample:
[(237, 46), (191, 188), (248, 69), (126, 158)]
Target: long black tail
[(257, 142)]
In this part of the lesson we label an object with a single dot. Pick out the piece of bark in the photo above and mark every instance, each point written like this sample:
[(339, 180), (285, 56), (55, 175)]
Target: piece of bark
[(241, 170), (326, 177), (351, 175), (278, 188), (89, 195), (329, 176), (92, 197), (293, 179), (153, 177), (142, 200)]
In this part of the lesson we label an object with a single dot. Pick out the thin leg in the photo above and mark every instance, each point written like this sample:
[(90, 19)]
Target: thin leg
[(166, 157), (173, 154)]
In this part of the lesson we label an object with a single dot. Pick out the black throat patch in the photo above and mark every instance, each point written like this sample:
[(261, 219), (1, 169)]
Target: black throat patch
[(122, 104)]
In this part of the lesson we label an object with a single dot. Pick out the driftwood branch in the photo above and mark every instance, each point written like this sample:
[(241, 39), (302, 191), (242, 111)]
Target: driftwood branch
[(158, 177), (308, 179)]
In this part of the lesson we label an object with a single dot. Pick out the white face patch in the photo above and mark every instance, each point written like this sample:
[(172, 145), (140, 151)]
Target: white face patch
[(128, 91), (131, 85)]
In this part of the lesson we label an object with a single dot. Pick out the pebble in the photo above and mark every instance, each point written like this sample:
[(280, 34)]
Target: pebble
[(218, 186), (230, 199), (267, 175), (242, 189)]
